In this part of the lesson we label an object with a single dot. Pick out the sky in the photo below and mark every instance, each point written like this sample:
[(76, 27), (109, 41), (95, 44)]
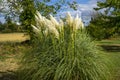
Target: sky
[(85, 7)]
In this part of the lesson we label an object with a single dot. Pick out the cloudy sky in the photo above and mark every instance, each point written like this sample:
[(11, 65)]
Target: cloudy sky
[(85, 7)]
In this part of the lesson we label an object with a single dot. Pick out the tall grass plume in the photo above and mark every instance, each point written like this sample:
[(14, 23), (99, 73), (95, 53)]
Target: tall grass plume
[(63, 51)]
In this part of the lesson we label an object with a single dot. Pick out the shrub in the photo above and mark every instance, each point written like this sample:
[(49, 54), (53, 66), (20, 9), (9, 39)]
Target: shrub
[(63, 51)]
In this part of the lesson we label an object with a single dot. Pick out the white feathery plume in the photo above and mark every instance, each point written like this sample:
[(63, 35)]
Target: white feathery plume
[(54, 21), (48, 22), (61, 25), (53, 26), (35, 29), (69, 19), (38, 21), (50, 27), (42, 23), (76, 23), (53, 30), (45, 31), (39, 16), (81, 23)]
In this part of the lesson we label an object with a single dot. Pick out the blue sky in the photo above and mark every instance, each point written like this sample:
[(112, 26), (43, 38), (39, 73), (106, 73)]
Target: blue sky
[(85, 7), (83, 1)]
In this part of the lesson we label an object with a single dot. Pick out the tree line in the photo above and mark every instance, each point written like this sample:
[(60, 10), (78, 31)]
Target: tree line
[(9, 26)]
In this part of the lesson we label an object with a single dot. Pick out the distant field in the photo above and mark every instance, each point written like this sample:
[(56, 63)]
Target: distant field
[(13, 37)]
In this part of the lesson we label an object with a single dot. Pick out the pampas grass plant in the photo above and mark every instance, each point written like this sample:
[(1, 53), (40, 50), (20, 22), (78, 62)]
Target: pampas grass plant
[(63, 51)]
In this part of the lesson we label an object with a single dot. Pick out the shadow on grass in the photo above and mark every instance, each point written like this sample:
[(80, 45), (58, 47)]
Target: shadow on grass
[(111, 48), (8, 76)]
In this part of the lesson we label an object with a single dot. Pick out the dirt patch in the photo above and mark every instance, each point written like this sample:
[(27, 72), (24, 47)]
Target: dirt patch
[(10, 56), (9, 64), (8, 67)]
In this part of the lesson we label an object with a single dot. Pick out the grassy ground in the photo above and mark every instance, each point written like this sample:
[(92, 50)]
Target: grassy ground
[(10, 55), (115, 59), (112, 44), (14, 37), (112, 41), (112, 48)]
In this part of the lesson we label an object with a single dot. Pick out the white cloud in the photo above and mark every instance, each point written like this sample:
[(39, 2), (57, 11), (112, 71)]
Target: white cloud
[(88, 6)]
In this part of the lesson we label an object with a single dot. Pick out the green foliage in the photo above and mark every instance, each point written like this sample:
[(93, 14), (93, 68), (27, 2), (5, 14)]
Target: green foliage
[(71, 56), (1, 7), (112, 6), (108, 24), (1, 26), (102, 26), (27, 16)]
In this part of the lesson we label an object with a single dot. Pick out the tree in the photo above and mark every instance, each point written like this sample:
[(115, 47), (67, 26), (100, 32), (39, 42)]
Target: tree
[(0, 6), (112, 12), (1, 26), (106, 24), (27, 16), (100, 27), (10, 25), (110, 5)]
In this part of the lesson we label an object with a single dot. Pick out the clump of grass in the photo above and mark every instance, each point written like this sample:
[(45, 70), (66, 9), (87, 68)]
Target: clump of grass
[(63, 51)]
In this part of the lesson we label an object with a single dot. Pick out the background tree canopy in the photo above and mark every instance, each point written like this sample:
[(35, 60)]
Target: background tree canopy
[(24, 10), (107, 24)]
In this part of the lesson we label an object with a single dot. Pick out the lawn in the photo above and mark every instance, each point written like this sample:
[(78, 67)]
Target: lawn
[(112, 48), (115, 59), (110, 44), (112, 41), (13, 37)]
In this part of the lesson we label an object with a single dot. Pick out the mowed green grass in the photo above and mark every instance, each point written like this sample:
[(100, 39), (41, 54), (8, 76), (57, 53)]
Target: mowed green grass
[(13, 37), (113, 41), (114, 56), (115, 59)]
